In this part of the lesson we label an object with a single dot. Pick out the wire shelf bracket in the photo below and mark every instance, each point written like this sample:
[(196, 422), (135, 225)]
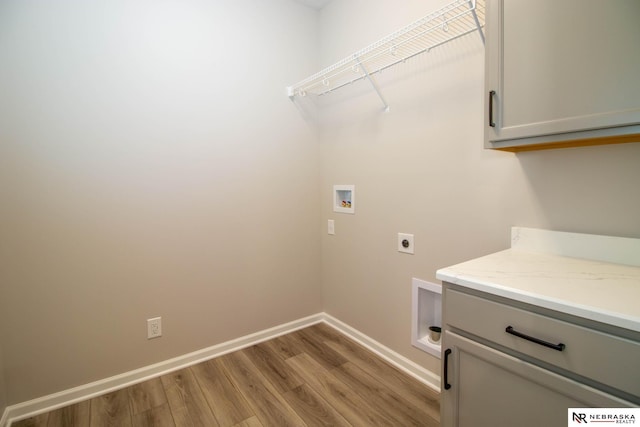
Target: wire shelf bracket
[(448, 23)]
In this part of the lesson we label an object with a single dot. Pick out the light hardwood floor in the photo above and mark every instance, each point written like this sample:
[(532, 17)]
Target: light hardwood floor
[(314, 377)]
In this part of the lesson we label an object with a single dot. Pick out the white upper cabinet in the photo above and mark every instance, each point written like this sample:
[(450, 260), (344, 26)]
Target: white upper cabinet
[(562, 73)]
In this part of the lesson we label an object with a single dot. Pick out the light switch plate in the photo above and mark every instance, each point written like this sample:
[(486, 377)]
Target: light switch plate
[(405, 243), (331, 227)]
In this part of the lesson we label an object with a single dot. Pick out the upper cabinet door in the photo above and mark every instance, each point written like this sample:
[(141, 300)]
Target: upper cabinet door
[(560, 71)]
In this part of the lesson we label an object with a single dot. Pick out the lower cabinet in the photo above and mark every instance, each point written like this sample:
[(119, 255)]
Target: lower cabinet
[(491, 384), (490, 388)]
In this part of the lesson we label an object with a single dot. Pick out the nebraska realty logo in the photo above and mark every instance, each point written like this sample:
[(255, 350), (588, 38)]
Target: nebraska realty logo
[(582, 416)]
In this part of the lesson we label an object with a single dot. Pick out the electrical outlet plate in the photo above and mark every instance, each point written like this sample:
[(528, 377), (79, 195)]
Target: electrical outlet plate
[(154, 327), (405, 243)]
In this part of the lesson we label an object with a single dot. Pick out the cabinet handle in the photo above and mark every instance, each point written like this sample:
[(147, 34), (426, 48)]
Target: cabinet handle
[(447, 352), (512, 331), (492, 94)]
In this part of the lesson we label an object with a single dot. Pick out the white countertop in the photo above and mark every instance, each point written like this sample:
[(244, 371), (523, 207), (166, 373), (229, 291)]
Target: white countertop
[(601, 291)]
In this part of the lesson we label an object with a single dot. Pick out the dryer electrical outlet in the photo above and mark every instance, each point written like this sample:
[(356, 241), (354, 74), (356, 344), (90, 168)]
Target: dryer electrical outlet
[(405, 243)]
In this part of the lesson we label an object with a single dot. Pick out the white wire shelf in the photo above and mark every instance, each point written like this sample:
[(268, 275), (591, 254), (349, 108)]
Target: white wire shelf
[(453, 21)]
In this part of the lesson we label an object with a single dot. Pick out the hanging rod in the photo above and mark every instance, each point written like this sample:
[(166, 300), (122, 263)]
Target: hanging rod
[(451, 22)]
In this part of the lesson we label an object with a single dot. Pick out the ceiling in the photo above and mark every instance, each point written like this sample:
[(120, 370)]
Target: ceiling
[(316, 4)]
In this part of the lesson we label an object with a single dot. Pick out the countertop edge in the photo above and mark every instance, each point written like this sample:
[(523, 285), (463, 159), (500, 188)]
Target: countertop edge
[(586, 312)]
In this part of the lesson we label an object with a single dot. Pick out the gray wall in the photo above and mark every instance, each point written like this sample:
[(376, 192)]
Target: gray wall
[(150, 165), (421, 169)]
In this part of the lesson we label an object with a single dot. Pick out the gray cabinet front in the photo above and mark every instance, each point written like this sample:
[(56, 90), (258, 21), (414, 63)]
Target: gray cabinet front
[(561, 71), (491, 377), (492, 389)]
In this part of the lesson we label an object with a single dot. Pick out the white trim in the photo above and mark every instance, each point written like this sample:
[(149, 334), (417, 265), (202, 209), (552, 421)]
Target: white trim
[(426, 377), (77, 394)]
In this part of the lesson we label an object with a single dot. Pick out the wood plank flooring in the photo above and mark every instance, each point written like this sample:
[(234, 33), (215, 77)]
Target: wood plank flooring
[(312, 377)]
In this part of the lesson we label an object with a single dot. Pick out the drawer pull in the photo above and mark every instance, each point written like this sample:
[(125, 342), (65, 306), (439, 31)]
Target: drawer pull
[(447, 352), (512, 331)]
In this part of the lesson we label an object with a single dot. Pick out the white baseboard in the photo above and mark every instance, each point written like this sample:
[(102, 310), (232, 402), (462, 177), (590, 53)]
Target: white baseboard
[(4, 418), (418, 372), (77, 394)]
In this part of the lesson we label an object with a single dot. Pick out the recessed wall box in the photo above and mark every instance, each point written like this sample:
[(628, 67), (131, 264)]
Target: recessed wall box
[(426, 311), (344, 199)]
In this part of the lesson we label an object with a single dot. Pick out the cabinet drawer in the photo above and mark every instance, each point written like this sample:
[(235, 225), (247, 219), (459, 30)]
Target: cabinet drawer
[(604, 358)]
